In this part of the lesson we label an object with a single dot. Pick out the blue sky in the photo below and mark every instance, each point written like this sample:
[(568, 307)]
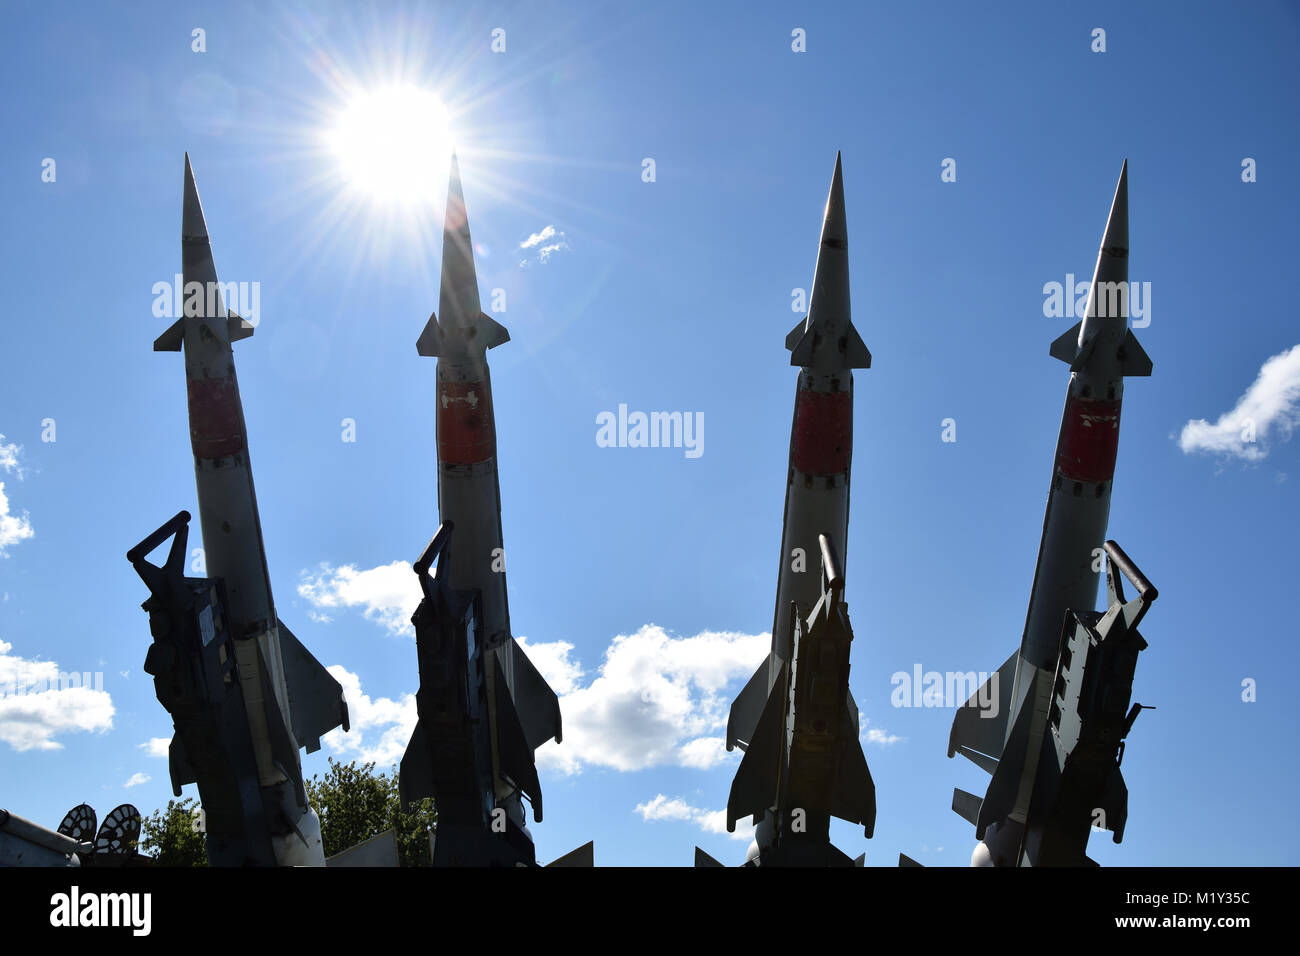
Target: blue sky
[(643, 579)]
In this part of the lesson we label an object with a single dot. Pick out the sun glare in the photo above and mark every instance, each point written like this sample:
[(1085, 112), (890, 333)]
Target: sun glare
[(393, 143)]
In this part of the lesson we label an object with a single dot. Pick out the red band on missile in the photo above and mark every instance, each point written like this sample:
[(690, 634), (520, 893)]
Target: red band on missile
[(465, 432), (216, 423), (822, 442), (1089, 440)]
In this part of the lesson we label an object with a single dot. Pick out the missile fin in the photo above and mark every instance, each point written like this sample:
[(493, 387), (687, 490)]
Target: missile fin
[(238, 327), (492, 333), (516, 756), (905, 860), (1066, 346), (284, 748), (316, 704), (792, 338), (1133, 359), (703, 859), (758, 777), (854, 797), (1001, 796), (583, 856), (986, 763), (536, 704), (967, 806), (971, 730), (415, 773), (178, 765), (747, 708), (853, 351), (170, 341), (430, 339), (1114, 803)]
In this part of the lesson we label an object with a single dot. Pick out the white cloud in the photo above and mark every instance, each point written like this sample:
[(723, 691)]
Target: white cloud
[(137, 779), (156, 746), (875, 735), (1270, 406), (39, 702), (388, 594), (542, 242), (380, 727), (13, 528), (9, 457), (552, 662), (658, 699), (538, 238), (710, 821)]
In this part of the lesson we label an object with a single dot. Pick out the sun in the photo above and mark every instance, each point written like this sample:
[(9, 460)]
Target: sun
[(393, 143)]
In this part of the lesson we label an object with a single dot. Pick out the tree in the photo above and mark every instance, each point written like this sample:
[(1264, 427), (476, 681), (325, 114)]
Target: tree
[(355, 803), (174, 837)]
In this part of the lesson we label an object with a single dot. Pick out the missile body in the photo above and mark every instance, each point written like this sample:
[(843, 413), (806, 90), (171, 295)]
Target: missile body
[(519, 711), (1100, 350), (288, 700), (803, 762)]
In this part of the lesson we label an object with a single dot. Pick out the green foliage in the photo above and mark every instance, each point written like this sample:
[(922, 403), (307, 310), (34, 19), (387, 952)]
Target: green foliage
[(355, 803), (172, 837)]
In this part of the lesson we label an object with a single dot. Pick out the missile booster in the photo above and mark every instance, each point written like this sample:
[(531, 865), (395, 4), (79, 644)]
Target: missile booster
[(500, 699), (1101, 350), (243, 692), (795, 719)]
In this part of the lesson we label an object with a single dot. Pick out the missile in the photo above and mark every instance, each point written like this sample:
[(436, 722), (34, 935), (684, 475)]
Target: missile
[(795, 719), (1101, 350), (518, 711), (1079, 733), (243, 692)]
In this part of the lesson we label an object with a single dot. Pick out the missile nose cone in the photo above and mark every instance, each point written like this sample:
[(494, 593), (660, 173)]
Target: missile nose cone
[(835, 230), (1115, 241), (192, 224), (826, 339), (458, 302), (828, 306)]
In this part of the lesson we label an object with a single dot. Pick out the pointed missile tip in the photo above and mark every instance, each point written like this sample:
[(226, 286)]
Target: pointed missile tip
[(834, 224), (1116, 236), (192, 223)]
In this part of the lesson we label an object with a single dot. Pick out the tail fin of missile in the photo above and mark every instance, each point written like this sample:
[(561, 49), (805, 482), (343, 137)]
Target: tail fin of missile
[(980, 727), (415, 772), (178, 765), (583, 857), (534, 701), (518, 766), (758, 777), (284, 747), (747, 708), (703, 859), (1004, 788), (854, 797), (967, 806), (316, 704), (1114, 805)]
